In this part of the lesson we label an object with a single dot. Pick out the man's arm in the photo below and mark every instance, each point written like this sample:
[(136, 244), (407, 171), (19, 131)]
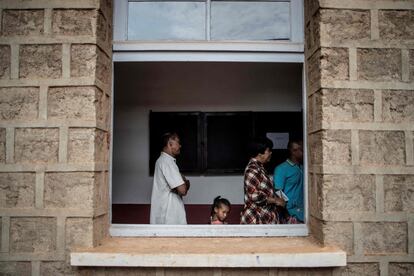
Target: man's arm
[(181, 190)]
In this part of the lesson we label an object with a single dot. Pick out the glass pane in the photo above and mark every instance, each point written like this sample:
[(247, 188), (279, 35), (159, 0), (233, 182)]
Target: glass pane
[(250, 20), (166, 21)]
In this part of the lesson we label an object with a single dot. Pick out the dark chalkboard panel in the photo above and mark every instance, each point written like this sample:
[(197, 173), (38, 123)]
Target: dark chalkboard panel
[(216, 142), (187, 126), (227, 135)]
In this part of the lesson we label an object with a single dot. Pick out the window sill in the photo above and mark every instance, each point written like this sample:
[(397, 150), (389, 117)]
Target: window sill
[(209, 252)]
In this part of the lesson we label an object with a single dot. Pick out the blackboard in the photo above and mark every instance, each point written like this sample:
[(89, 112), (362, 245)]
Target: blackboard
[(215, 143)]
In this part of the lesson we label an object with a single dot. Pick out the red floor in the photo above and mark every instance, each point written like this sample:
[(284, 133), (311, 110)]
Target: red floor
[(196, 213)]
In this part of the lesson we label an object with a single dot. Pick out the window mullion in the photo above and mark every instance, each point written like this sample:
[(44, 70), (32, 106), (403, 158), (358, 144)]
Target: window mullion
[(208, 19)]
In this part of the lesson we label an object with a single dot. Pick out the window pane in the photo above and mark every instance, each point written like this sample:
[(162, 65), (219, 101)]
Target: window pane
[(250, 20), (166, 21)]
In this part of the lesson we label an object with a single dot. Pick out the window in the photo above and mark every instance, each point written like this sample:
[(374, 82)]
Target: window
[(202, 79)]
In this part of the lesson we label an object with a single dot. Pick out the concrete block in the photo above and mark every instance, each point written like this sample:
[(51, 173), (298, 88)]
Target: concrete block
[(79, 232), (36, 145), (347, 105), (74, 102), (360, 269), (19, 103), (399, 193), (314, 72), (69, 190), (83, 60), (398, 106), (339, 234), (134, 271), (348, 193), (87, 145), (381, 147), (18, 190), (73, 22), (5, 61), (334, 64), (58, 268), (22, 22), (40, 61), (411, 64), (103, 67), (384, 237), (336, 147), (32, 235), (2, 145), (338, 26), (16, 268), (243, 272), (379, 64), (396, 24), (401, 269)]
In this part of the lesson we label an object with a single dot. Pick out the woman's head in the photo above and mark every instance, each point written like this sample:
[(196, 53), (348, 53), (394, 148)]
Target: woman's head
[(220, 208), (261, 149)]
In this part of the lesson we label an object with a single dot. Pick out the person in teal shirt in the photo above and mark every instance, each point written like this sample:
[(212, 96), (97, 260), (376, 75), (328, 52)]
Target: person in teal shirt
[(288, 177)]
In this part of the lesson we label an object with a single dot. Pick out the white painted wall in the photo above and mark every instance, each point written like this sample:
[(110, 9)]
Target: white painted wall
[(195, 86)]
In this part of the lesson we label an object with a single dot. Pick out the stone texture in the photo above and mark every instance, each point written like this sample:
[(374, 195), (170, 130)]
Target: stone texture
[(244, 271), (83, 60), (19, 103), (80, 103), (36, 145), (2, 145), (348, 193), (15, 268), (401, 269), (384, 237), (79, 232), (396, 24), (18, 190), (381, 147), (5, 61), (58, 268), (131, 271), (336, 147), (102, 30), (347, 105), (40, 61), (399, 193), (69, 190), (411, 65), (379, 64), (339, 234), (87, 145), (100, 229), (398, 106), (334, 64), (22, 22), (360, 269), (32, 235), (103, 67), (101, 191), (72, 22), (190, 271), (315, 148), (313, 72), (338, 26)]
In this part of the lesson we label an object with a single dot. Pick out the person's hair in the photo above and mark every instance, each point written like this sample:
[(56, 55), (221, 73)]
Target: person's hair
[(259, 145), (218, 201), (166, 137), (293, 141)]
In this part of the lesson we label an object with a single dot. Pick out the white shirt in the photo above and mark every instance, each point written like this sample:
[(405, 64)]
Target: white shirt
[(167, 207)]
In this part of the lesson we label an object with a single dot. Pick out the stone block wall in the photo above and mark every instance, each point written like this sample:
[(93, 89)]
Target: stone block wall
[(360, 89), (55, 89)]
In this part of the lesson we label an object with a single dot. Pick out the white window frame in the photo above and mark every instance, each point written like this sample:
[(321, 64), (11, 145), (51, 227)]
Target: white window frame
[(208, 51)]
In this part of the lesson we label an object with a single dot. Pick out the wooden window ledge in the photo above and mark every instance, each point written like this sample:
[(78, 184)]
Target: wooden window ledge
[(209, 252)]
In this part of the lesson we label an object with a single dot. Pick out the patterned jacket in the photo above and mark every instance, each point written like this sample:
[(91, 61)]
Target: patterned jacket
[(257, 188)]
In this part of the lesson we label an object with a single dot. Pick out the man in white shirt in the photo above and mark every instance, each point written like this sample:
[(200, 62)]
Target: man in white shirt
[(169, 185)]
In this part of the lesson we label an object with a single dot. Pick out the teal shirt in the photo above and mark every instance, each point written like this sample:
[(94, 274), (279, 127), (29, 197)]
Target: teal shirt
[(288, 177)]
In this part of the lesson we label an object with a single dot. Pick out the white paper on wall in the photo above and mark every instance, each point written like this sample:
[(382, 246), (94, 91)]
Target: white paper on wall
[(279, 139)]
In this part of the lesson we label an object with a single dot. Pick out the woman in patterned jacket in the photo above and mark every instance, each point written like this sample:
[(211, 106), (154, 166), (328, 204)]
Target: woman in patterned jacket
[(260, 201)]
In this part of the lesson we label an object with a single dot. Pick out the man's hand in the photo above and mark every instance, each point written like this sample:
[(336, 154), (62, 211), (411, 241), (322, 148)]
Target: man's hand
[(276, 200), (187, 184)]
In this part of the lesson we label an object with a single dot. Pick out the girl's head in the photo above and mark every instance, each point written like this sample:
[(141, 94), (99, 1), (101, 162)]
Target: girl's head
[(220, 208)]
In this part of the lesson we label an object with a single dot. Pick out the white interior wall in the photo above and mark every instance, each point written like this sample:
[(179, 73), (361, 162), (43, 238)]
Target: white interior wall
[(180, 86)]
